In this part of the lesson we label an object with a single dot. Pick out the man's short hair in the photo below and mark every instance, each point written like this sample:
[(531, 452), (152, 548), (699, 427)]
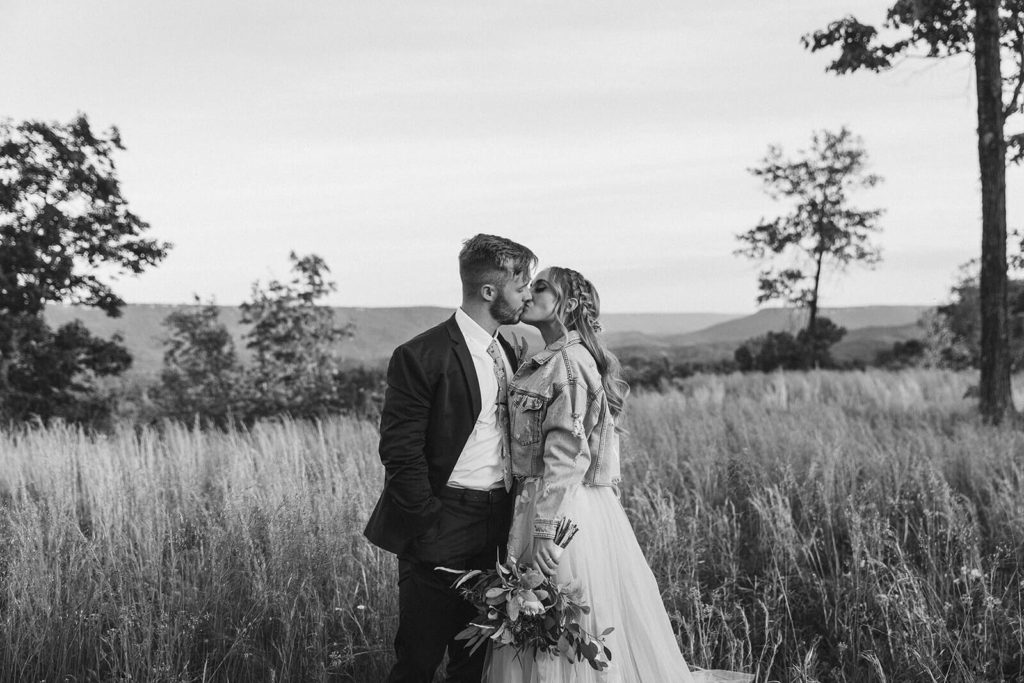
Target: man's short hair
[(492, 260)]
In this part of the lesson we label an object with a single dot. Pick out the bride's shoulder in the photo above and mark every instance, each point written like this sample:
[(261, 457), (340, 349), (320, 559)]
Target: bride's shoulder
[(578, 366), (577, 355)]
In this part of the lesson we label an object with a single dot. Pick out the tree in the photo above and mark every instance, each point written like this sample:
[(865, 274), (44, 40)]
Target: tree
[(902, 354), (202, 375), (295, 342), (816, 342), (55, 371), (62, 219), (993, 32), (781, 350), (771, 351), (821, 230), (953, 331)]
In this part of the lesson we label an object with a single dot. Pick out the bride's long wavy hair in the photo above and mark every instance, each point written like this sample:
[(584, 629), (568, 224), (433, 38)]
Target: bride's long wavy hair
[(569, 284)]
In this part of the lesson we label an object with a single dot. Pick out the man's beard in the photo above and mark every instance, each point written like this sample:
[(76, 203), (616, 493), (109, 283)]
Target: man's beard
[(502, 312)]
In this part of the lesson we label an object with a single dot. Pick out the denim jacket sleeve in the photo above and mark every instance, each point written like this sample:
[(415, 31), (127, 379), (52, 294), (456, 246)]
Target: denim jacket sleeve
[(566, 455)]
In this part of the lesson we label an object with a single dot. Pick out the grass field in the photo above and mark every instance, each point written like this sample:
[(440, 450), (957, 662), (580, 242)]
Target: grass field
[(809, 527)]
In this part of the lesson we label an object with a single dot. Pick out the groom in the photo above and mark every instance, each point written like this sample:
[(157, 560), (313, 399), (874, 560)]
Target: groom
[(444, 445)]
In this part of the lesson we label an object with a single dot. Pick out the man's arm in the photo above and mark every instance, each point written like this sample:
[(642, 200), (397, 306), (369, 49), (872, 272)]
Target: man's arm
[(403, 431)]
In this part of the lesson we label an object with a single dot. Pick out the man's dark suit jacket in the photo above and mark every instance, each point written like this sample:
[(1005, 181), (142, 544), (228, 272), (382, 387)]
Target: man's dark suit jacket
[(430, 408)]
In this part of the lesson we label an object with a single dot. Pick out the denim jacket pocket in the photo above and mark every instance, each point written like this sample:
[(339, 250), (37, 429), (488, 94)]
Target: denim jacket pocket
[(529, 419)]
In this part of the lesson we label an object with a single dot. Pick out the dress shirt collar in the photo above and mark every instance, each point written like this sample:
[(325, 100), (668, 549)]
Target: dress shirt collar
[(471, 330)]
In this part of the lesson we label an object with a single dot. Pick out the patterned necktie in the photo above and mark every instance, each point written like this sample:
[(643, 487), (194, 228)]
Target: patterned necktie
[(501, 410)]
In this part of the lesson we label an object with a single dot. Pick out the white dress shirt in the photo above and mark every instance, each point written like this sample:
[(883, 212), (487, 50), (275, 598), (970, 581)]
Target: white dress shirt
[(479, 465)]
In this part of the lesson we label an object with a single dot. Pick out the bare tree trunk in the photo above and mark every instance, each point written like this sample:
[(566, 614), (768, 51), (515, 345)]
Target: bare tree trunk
[(994, 387), (813, 318), (811, 333)]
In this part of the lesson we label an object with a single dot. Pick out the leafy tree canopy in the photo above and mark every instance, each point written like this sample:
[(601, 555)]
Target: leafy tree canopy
[(62, 216), (62, 220), (810, 348), (202, 374), (295, 341), (953, 331), (929, 29), (821, 229)]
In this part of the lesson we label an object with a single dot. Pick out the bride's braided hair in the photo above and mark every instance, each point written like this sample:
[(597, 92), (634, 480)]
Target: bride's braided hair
[(584, 318), (583, 290)]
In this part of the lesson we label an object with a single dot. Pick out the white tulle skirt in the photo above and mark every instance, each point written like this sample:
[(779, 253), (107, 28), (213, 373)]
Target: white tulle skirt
[(621, 590)]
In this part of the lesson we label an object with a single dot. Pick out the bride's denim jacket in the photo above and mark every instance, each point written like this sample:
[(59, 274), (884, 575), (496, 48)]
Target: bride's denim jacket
[(562, 428)]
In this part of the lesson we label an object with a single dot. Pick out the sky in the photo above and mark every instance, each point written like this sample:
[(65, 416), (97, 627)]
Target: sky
[(611, 137)]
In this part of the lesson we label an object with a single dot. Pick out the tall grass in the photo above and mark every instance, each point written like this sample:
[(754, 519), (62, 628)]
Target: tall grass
[(809, 527)]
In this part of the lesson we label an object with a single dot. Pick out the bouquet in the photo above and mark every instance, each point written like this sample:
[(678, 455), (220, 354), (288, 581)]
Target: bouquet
[(521, 608)]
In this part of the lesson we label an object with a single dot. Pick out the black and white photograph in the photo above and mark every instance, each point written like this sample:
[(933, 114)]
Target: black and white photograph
[(383, 341)]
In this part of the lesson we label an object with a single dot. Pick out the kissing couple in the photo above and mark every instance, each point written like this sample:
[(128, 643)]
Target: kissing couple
[(486, 449)]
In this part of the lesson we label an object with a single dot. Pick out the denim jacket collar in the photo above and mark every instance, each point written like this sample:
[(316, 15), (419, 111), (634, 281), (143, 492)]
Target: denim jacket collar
[(550, 351)]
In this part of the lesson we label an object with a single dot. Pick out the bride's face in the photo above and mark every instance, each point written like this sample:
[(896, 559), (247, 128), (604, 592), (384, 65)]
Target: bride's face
[(544, 304)]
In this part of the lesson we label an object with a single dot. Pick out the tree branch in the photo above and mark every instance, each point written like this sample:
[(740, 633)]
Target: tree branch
[(1011, 108)]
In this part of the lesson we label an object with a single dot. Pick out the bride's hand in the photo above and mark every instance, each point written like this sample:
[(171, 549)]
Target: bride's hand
[(546, 554)]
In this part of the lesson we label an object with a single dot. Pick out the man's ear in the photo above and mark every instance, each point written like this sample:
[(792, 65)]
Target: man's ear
[(489, 292)]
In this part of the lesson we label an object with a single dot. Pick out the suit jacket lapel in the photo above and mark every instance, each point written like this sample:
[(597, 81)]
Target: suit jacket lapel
[(466, 361)]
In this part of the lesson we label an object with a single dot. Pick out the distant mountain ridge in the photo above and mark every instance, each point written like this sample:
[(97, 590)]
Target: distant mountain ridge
[(379, 330), (792, 320)]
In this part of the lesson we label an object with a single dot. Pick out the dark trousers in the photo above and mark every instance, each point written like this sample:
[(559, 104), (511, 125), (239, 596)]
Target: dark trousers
[(472, 531)]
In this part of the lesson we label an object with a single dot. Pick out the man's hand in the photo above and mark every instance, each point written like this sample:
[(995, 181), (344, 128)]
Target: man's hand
[(546, 554)]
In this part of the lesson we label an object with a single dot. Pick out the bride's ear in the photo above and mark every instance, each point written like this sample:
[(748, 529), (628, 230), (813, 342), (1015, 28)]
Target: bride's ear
[(571, 304)]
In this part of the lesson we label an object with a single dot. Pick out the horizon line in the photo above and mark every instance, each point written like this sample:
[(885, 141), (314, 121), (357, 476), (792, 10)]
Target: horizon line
[(450, 307)]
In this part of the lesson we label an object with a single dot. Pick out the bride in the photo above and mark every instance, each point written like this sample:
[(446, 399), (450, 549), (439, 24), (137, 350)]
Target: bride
[(563, 403)]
